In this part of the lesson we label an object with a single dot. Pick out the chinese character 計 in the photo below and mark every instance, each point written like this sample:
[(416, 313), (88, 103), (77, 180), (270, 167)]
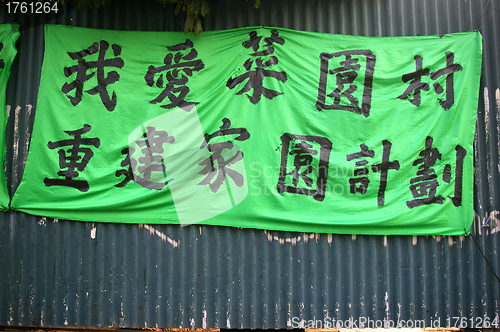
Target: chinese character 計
[(72, 159), (416, 84), (150, 165), (346, 95), (178, 66), (424, 186), (382, 167), (256, 76), (103, 80), (360, 170), (223, 164), (304, 164)]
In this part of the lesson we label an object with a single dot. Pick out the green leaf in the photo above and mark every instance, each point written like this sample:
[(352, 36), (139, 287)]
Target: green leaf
[(189, 24), (256, 4), (198, 28), (177, 9), (204, 8)]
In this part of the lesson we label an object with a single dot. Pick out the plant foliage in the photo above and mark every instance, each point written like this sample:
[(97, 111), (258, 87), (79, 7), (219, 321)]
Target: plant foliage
[(194, 10)]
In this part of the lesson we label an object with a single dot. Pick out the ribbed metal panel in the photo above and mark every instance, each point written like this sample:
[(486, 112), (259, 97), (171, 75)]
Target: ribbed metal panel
[(66, 273)]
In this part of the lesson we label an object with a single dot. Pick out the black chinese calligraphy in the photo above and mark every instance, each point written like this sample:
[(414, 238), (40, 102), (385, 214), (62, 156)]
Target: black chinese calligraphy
[(151, 171), (218, 164), (103, 80), (383, 168), (257, 68), (307, 160), (71, 160), (424, 186), (459, 168), (416, 84), (179, 65), (359, 183), (131, 164), (352, 76), (2, 62)]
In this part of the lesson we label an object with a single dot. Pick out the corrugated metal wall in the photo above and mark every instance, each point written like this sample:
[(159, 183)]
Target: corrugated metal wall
[(66, 273)]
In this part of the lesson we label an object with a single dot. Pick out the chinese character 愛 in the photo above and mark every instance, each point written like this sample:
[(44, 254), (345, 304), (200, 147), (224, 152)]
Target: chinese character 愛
[(256, 76), (74, 161), (178, 66), (102, 81)]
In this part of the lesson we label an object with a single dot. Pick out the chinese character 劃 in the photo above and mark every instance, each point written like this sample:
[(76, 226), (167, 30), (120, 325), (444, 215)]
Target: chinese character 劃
[(72, 159), (178, 66), (346, 95), (424, 186), (416, 84), (222, 169), (2, 63), (459, 168), (129, 173), (382, 167), (304, 164), (256, 76), (361, 170), (151, 164), (102, 81)]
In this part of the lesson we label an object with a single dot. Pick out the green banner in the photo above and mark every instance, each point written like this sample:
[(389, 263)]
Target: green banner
[(256, 128), (8, 37)]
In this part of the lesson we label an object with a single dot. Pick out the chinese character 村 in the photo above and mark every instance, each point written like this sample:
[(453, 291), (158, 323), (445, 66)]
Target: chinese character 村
[(416, 84)]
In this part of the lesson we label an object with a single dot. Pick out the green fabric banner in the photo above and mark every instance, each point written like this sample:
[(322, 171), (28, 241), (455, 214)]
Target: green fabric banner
[(257, 128), (8, 37)]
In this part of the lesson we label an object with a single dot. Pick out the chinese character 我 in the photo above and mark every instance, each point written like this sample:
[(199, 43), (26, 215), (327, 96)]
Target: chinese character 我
[(103, 80)]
